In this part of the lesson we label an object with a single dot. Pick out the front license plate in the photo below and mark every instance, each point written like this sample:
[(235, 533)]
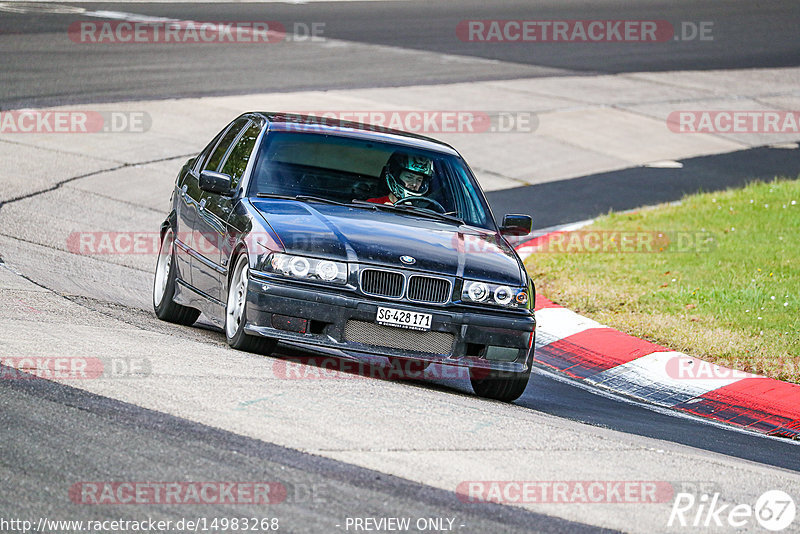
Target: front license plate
[(404, 319)]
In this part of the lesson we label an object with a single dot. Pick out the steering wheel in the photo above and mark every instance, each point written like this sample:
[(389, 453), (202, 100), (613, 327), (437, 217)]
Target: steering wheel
[(425, 200)]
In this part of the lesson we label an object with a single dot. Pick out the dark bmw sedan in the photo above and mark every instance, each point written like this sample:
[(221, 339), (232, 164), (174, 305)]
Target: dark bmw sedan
[(348, 237)]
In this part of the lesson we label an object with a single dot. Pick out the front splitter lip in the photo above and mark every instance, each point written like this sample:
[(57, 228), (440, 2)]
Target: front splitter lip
[(358, 351)]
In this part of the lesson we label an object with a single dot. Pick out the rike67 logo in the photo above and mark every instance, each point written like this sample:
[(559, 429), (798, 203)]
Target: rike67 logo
[(774, 510)]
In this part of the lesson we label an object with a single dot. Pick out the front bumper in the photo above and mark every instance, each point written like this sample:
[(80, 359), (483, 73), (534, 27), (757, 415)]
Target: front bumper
[(346, 322)]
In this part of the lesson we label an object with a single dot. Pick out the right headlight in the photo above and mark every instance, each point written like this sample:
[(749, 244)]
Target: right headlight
[(494, 294)]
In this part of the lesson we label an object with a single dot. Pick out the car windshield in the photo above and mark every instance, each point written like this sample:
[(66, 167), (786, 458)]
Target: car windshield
[(345, 170)]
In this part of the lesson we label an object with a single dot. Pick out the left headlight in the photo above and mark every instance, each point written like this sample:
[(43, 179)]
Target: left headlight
[(304, 268), (495, 294)]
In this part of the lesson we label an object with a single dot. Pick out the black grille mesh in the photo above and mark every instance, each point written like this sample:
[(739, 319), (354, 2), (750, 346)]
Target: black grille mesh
[(382, 283), (427, 289), (390, 284), (398, 338)]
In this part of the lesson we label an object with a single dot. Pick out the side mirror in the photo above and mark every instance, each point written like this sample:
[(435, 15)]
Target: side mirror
[(215, 182), (516, 225)]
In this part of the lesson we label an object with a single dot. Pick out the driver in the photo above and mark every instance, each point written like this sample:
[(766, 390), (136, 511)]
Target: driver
[(407, 176)]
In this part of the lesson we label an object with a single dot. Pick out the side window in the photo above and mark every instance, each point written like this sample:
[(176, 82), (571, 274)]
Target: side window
[(222, 147), (239, 155), (197, 166)]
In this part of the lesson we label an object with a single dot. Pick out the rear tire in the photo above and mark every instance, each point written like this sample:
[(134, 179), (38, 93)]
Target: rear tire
[(164, 286), (505, 386), (236, 312)]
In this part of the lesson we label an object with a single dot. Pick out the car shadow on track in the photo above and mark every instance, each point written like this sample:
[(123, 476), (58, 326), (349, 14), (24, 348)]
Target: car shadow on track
[(545, 394)]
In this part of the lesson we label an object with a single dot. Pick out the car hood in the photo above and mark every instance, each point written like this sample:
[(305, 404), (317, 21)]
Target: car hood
[(376, 237)]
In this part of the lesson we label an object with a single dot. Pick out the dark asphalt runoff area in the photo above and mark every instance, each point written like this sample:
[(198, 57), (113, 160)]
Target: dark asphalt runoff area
[(53, 435), (586, 197)]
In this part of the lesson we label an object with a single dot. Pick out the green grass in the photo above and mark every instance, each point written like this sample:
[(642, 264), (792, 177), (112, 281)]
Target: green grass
[(729, 292)]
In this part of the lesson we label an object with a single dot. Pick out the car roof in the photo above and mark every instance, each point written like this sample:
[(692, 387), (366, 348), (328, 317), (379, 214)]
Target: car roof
[(291, 122)]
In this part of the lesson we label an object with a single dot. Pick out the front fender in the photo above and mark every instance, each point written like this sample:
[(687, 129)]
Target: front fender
[(249, 231)]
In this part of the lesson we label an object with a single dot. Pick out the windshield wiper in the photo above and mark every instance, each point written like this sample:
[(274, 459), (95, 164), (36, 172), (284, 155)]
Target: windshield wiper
[(307, 198), (369, 205), (412, 210), (272, 195), (310, 198)]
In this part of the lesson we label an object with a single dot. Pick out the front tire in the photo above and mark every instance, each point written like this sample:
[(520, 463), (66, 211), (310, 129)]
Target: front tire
[(504, 386), (236, 313), (164, 286)]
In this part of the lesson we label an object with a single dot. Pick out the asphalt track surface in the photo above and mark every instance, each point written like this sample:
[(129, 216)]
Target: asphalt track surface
[(54, 434), (35, 46), (149, 446)]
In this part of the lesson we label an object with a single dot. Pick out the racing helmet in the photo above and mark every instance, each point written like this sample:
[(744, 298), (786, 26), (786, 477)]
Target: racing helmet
[(408, 175)]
